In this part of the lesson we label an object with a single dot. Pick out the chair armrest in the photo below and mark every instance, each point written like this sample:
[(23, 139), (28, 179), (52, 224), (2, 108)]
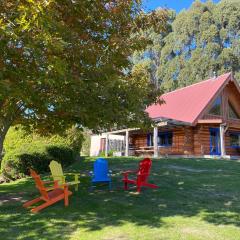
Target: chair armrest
[(55, 185), (52, 188), (63, 185), (142, 174), (128, 172), (78, 174), (48, 182)]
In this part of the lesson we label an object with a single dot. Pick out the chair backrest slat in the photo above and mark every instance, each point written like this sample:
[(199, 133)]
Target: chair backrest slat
[(57, 172), (144, 169), (100, 169), (39, 184)]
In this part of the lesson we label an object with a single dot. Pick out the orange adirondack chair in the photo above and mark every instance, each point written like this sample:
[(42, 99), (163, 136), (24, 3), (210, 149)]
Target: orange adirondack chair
[(50, 195), (142, 175)]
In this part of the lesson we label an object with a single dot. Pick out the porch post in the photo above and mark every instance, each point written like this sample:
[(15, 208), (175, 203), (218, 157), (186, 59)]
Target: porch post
[(127, 143), (222, 142), (155, 141), (106, 145)]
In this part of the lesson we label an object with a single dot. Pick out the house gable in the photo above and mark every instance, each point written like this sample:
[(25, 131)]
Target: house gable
[(233, 97), (225, 105)]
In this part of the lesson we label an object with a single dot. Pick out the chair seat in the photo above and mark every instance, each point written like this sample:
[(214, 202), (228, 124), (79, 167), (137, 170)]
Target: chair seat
[(57, 192), (101, 180)]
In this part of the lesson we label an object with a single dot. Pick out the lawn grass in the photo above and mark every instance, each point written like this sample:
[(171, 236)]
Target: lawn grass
[(198, 199)]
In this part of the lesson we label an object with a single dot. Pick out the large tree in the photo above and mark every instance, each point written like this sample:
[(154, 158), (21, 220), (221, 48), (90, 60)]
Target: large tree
[(65, 62), (147, 60), (202, 41)]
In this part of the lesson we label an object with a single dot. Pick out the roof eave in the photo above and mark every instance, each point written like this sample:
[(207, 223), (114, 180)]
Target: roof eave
[(171, 121)]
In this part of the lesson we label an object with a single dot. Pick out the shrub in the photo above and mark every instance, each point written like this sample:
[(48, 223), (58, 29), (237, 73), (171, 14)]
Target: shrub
[(24, 150), (18, 136), (101, 154), (110, 153), (16, 163), (64, 155)]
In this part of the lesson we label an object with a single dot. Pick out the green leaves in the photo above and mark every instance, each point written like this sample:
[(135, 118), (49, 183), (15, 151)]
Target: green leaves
[(67, 63), (201, 40), (209, 36)]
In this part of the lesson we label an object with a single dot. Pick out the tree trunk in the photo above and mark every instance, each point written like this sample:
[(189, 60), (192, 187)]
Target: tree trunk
[(1, 147), (3, 132), (9, 111)]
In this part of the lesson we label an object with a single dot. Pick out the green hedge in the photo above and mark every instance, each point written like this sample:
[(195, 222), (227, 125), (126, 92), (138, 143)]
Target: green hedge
[(16, 163), (24, 150)]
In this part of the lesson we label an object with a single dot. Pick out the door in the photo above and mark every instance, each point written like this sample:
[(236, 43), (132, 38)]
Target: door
[(215, 141)]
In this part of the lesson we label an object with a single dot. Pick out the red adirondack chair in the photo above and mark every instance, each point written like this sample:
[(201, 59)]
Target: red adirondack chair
[(141, 175), (49, 195)]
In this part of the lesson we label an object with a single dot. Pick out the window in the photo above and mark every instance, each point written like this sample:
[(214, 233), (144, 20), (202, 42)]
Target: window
[(216, 108), (164, 139), (231, 112), (234, 139)]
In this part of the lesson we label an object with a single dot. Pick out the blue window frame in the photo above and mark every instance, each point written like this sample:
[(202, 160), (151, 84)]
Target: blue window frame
[(234, 139), (165, 139), (215, 141)]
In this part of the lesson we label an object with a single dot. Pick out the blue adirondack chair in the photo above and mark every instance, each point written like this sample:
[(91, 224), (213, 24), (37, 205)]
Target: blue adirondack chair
[(100, 173)]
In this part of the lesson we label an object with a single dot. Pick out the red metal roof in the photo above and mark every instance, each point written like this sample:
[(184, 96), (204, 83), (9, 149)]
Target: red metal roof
[(186, 104)]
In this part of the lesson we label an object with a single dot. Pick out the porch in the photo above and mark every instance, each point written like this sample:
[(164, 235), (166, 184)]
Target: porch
[(204, 140), (163, 139)]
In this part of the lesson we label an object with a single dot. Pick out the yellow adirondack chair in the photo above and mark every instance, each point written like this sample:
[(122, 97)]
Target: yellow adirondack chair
[(58, 175)]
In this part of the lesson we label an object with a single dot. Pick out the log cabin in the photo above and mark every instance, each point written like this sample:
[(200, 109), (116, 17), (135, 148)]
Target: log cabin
[(200, 120)]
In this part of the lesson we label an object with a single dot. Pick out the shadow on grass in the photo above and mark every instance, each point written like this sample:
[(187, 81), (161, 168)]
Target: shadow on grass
[(208, 189)]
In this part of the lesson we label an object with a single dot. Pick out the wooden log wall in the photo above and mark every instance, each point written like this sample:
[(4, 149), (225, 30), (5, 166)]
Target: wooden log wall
[(188, 141), (178, 143), (202, 139), (139, 140), (230, 150), (181, 143)]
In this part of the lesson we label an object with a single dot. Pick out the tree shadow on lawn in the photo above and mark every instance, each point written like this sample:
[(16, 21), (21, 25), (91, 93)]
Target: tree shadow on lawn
[(214, 197)]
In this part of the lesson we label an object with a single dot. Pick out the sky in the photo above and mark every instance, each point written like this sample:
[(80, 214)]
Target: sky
[(178, 5)]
